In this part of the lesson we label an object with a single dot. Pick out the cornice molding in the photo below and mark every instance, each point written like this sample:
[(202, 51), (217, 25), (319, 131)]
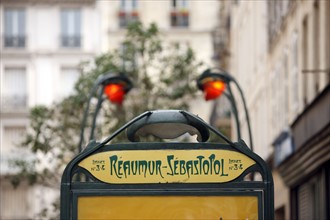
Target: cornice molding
[(9, 114)]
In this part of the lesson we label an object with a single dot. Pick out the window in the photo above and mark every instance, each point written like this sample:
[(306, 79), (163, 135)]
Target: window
[(14, 89), (128, 12), (12, 136), (294, 74), (14, 28), (275, 100), (310, 201), (305, 44), (70, 28), (285, 90), (180, 13), (128, 5), (68, 78), (316, 46)]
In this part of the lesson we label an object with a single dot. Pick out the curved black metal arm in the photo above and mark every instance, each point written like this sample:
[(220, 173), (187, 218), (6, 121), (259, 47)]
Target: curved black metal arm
[(231, 98), (83, 124), (101, 80), (98, 107), (245, 108), (227, 78)]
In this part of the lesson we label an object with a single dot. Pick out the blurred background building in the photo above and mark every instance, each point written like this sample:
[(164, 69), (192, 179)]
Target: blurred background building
[(279, 52), (42, 44)]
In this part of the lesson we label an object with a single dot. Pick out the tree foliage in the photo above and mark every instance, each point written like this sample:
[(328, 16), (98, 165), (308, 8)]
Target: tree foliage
[(163, 76)]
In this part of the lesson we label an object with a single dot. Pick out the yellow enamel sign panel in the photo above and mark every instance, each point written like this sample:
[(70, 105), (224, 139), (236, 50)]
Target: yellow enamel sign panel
[(169, 207), (166, 166)]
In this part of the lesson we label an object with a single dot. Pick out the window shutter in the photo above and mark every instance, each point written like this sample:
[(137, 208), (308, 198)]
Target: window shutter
[(305, 202)]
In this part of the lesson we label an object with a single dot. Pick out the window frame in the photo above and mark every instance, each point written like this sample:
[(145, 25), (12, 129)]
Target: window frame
[(14, 23), (179, 17), (8, 101), (128, 13), (70, 27)]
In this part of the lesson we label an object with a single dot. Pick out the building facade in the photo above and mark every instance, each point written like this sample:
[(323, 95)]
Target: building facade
[(280, 54), (42, 44), (189, 22)]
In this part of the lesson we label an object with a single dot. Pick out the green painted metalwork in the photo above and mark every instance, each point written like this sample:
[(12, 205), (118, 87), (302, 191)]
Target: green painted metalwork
[(72, 188)]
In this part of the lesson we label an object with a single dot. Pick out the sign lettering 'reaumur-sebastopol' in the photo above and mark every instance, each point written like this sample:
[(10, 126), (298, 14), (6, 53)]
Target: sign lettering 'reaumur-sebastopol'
[(166, 166), (200, 165)]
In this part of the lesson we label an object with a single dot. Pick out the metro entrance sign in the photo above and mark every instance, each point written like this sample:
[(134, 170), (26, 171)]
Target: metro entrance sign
[(166, 166), (166, 180)]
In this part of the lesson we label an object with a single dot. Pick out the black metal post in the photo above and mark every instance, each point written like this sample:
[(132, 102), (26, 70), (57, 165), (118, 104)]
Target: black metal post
[(101, 80), (83, 124), (208, 75), (245, 109), (97, 109), (231, 98)]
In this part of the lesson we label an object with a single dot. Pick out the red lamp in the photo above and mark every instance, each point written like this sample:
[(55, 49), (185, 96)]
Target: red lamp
[(213, 89), (212, 84), (115, 87), (115, 93)]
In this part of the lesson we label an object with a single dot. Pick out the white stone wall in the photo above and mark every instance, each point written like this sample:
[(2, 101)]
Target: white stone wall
[(261, 71), (248, 65), (271, 75)]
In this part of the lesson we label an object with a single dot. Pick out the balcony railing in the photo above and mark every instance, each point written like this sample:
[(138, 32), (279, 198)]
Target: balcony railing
[(127, 17), (70, 41), (179, 18), (13, 102), (14, 41)]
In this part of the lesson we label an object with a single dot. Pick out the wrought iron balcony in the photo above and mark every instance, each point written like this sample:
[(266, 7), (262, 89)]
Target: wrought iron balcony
[(70, 41), (13, 102), (179, 18), (14, 41), (126, 18)]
